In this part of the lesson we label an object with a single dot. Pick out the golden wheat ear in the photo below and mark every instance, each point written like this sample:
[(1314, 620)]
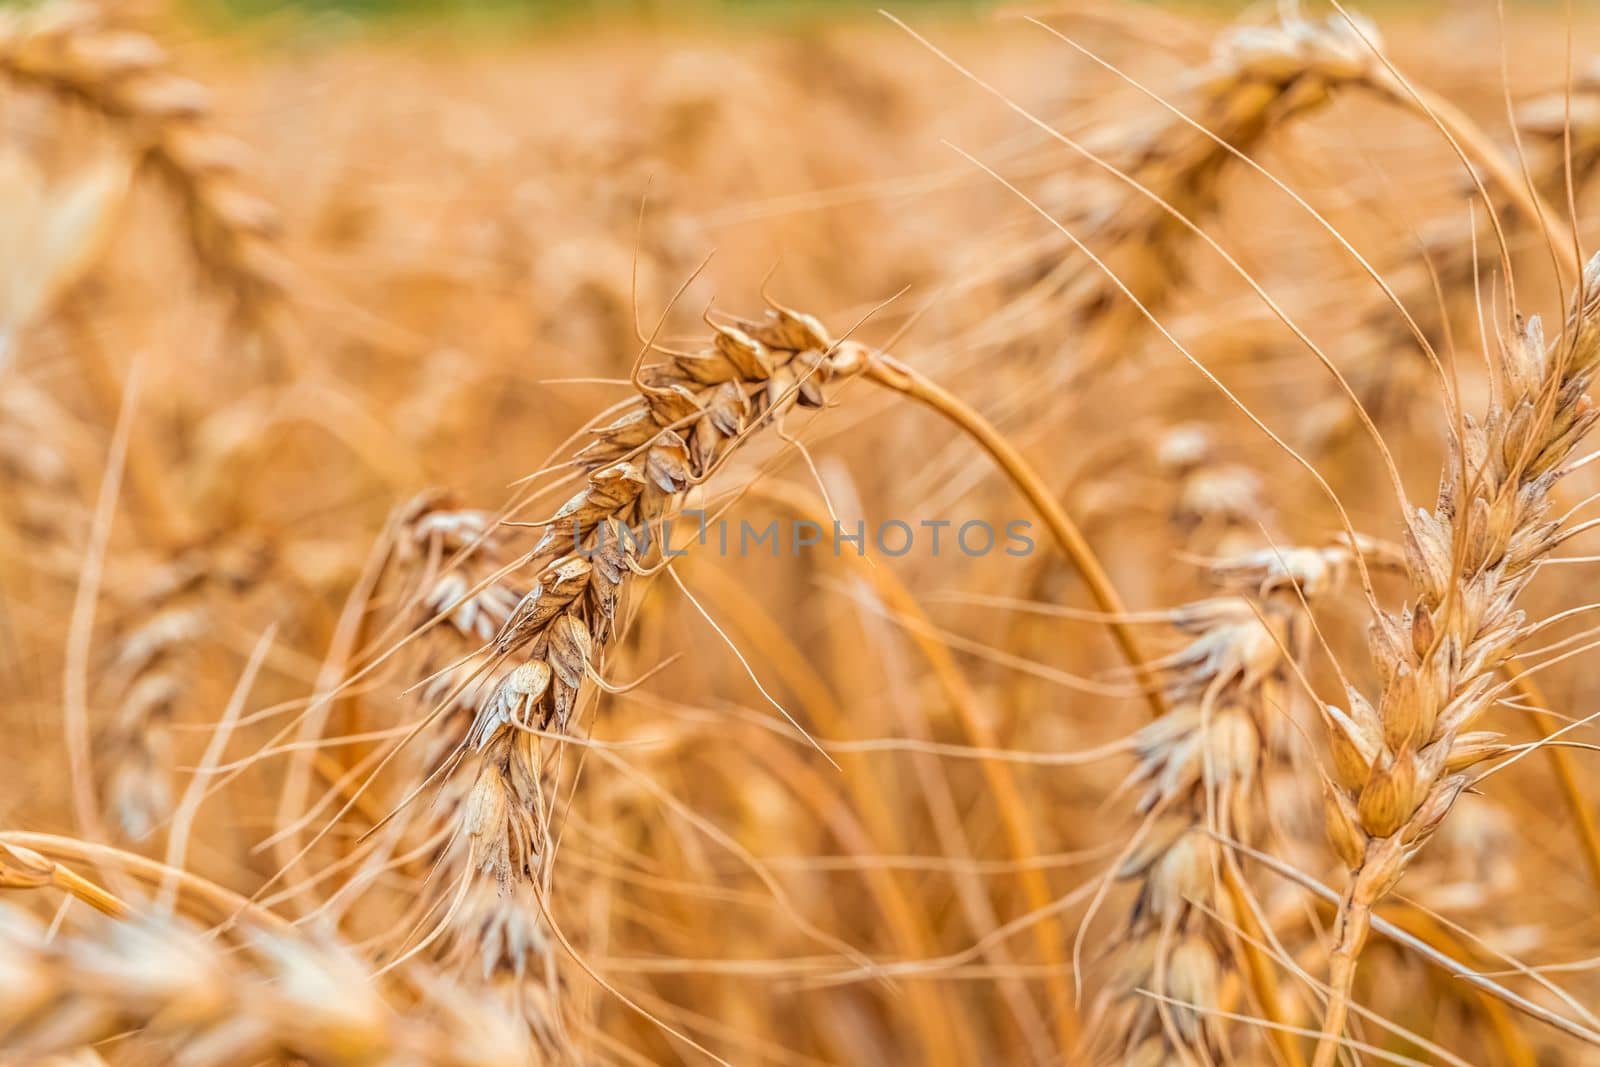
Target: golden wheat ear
[(1565, 128), (1405, 758), (518, 648), (163, 987), (72, 52)]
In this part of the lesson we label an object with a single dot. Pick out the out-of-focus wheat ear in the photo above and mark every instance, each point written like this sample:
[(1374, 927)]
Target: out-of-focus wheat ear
[(164, 990), (151, 674), (1566, 132), (1201, 771), (72, 51), (1260, 80), (51, 231), (1407, 756), (1164, 175), (41, 507)]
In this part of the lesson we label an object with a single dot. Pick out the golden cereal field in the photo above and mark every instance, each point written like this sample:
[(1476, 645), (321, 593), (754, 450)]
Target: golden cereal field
[(1060, 534)]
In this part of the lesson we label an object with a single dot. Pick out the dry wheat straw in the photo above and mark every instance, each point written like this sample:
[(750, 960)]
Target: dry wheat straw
[(1401, 764), (1019, 820)]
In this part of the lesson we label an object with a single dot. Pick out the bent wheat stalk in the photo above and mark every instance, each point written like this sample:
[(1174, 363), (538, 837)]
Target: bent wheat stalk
[(892, 374)]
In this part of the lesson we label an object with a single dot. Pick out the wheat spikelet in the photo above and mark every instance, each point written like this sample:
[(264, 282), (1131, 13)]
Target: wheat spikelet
[(1219, 506), (1401, 763), (68, 50)]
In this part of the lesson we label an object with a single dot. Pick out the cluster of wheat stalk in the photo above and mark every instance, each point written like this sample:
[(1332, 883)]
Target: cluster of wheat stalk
[(434, 629)]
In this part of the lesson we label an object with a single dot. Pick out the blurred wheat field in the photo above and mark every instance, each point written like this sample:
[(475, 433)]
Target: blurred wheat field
[(1046, 535)]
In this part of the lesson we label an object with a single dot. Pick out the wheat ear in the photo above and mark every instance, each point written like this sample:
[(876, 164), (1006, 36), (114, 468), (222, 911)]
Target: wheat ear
[(536, 627), (151, 670), (1201, 768), (1401, 763), (70, 51), (1259, 80), (1567, 130), (163, 984), (693, 411)]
